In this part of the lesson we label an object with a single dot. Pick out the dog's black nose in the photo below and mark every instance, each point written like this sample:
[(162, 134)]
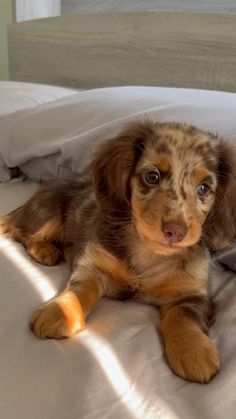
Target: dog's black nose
[(174, 232)]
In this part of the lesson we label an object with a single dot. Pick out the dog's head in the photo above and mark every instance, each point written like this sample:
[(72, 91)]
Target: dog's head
[(168, 178)]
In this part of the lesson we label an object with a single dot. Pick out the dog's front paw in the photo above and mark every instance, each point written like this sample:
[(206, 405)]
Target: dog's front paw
[(58, 319), (196, 359)]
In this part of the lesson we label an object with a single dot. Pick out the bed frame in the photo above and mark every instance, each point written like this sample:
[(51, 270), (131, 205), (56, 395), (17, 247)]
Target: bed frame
[(181, 49)]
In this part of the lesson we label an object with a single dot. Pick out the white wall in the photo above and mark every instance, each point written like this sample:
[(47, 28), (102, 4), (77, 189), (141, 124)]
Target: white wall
[(6, 16), (18, 10), (36, 9)]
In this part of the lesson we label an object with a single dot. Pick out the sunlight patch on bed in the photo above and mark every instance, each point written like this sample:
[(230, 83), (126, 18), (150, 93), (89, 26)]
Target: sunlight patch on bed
[(36, 277), (125, 388)]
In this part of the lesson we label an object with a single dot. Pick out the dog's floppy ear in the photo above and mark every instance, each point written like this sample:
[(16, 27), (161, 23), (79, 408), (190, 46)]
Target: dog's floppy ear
[(219, 229), (114, 164)]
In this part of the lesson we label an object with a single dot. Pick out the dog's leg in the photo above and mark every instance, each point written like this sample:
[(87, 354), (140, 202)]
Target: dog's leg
[(97, 273), (186, 315), (65, 315), (190, 352), (39, 223), (39, 242)]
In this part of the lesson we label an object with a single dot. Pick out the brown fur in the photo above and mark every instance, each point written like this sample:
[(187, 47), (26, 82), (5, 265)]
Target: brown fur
[(43, 251), (109, 222), (189, 351)]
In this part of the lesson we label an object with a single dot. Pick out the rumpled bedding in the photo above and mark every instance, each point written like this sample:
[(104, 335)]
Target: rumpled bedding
[(59, 138), (116, 367), (15, 96)]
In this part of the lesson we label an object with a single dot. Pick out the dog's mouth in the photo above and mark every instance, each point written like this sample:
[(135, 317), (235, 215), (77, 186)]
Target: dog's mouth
[(162, 247), (168, 245), (166, 248)]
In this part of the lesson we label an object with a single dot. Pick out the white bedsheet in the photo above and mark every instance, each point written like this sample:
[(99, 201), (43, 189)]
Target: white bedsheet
[(115, 368)]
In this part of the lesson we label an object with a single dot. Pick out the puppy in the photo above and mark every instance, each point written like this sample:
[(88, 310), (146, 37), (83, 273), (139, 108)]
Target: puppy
[(139, 224)]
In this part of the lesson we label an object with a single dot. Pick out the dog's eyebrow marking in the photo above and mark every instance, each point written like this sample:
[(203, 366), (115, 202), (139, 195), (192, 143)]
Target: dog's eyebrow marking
[(205, 152), (163, 163), (200, 174), (210, 163)]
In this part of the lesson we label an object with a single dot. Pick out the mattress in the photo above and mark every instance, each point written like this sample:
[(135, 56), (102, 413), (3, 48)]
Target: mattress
[(116, 367)]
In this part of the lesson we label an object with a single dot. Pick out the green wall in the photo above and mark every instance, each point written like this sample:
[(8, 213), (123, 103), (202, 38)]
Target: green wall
[(6, 16)]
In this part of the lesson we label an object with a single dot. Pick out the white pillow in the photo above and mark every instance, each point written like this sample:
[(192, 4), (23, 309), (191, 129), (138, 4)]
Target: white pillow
[(58, 138), (16, 95)]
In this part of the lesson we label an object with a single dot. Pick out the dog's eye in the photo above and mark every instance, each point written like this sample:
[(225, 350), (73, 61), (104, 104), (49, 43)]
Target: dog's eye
[(203, 189), (152, 177)]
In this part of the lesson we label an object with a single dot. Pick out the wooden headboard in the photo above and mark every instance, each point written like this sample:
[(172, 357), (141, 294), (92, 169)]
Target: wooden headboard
[(182, 49)]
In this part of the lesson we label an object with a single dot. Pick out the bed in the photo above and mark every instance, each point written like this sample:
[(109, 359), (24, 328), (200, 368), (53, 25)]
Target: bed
[(116, 367)]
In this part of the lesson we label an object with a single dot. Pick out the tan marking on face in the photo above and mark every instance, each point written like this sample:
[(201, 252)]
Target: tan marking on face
[(163, 163), (200, 174), (147, 223), (148, 218)]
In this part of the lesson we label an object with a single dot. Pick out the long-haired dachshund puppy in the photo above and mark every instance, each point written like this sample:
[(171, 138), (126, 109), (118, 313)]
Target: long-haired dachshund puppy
[(140, 224)]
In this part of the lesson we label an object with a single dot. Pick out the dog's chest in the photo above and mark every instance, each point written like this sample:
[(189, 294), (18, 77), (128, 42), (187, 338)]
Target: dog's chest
[(151, 267), (155, 274)]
